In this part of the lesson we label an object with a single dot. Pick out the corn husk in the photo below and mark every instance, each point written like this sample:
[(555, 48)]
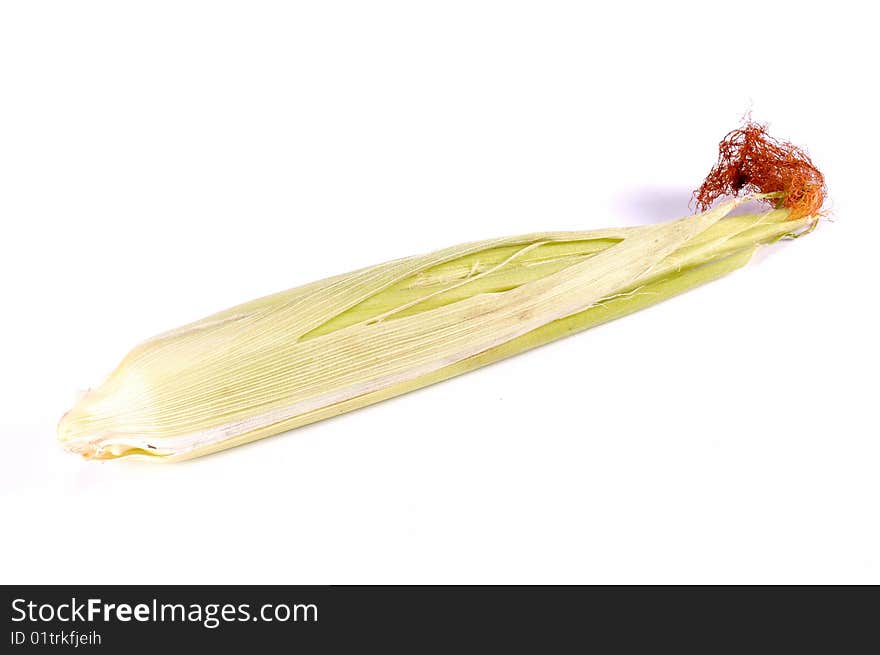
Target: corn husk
[(318, 350)]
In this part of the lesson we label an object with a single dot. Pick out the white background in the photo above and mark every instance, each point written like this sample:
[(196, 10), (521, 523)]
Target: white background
[(160, 161)]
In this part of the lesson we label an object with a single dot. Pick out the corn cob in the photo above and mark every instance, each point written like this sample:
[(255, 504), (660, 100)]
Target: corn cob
[(325, 348)]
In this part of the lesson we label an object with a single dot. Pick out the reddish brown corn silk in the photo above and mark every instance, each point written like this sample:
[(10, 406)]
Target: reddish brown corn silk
[(752, 161)]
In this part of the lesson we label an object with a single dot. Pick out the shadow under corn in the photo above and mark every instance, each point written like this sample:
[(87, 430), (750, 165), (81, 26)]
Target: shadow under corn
[(646, 205)]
